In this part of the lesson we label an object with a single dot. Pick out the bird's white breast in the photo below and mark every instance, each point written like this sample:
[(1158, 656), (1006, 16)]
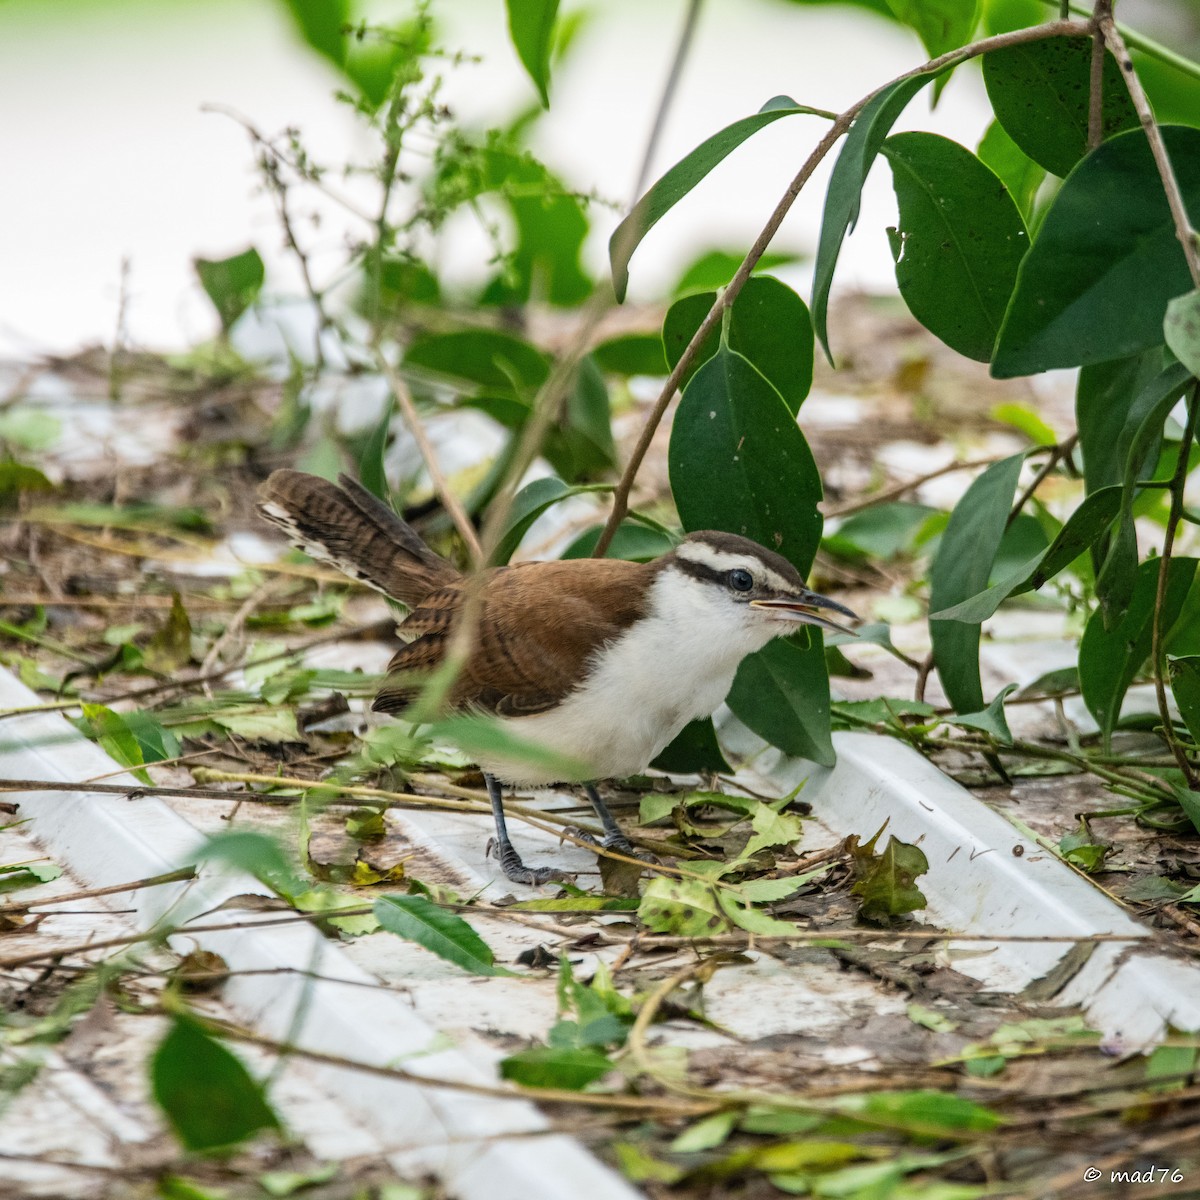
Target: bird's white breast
[(672, 666)]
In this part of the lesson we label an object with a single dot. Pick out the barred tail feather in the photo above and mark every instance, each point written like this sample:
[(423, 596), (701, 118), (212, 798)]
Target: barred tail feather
[(350, 529)]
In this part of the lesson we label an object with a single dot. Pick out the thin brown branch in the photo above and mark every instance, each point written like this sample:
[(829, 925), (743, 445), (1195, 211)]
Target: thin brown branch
[(1057, 454), (179, 876), (1096, 82), (1158, 650), (726, 298), (1141, 103), (450, 502), (901, 489)]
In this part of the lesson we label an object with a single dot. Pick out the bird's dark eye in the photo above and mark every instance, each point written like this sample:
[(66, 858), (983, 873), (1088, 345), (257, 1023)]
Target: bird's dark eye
[(740, 580)]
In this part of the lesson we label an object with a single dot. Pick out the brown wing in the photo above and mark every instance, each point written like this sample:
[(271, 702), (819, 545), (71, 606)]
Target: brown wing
[(540, 623)]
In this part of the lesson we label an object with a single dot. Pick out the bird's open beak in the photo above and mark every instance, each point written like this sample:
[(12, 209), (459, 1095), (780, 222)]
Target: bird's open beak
[(805, 609)]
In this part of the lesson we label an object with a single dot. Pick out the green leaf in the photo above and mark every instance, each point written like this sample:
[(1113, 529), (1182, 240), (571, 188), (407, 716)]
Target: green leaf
[(782, 694), (929, 1018), (15, 876), (555, 1067), (171, 646), (695, 748), (1106, 394), (666, 192), (959, 242), (960, 569), (768, 324), (772, 828), (370, 466), (843, 200), (713, 269), (531, 27), (681, 906), (258, 854), (930, 1111), (1185, 686), (940, 24), (232, 284), (991, 720), (1040, 93), (321, 23), (732, 425), (30, 428), (706, 1134), (632, 354), (17, 477), (208, 1096), (1182, 329), (1146, 416), (633, 541), (1081, 848), (445, 934), (483, 736), (528, 504), (1015, 169), (493, 360), (753, 920), (582, 443), (1109, 659), (1083, 529), (887, 881), (112, 733), (1096, 282), (880, 532)]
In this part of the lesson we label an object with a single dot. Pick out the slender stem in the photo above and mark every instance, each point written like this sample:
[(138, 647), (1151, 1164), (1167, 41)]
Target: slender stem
[(179, 876), (1057, 454), (450, 502), (690, 20), (1141, 103), (1158, 650), (1096, 82), (726, 298)]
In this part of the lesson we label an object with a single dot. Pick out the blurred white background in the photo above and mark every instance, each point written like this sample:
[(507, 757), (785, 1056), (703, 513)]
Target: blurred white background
[(108, 154)]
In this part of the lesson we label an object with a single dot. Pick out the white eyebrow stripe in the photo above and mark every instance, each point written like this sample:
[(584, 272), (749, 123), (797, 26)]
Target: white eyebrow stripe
[(723, 560)]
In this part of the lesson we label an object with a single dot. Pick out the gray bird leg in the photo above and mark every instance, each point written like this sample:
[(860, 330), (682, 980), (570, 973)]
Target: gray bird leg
[(614, 837), (506, 852)]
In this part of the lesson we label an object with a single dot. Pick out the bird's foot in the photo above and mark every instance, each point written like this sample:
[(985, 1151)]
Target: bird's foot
[(516, 871), (618, 843)]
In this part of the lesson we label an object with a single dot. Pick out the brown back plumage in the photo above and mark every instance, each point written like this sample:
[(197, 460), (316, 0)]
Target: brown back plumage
[(539, 623), (352, 530)]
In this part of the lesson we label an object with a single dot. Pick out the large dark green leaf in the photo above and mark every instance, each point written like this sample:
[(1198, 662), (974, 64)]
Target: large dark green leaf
[(959, 241), (960, 569), (232, 284), (1096, 282), (1104, 397), (531, 26), (209, 1098), (768, 324), (1109, 659), (1087, 523), (940, 24), (732, 426), (682, 177), (1016, 170), (782, 693), (844, 198), (695, 748), (1040, 94), (447, 935)]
